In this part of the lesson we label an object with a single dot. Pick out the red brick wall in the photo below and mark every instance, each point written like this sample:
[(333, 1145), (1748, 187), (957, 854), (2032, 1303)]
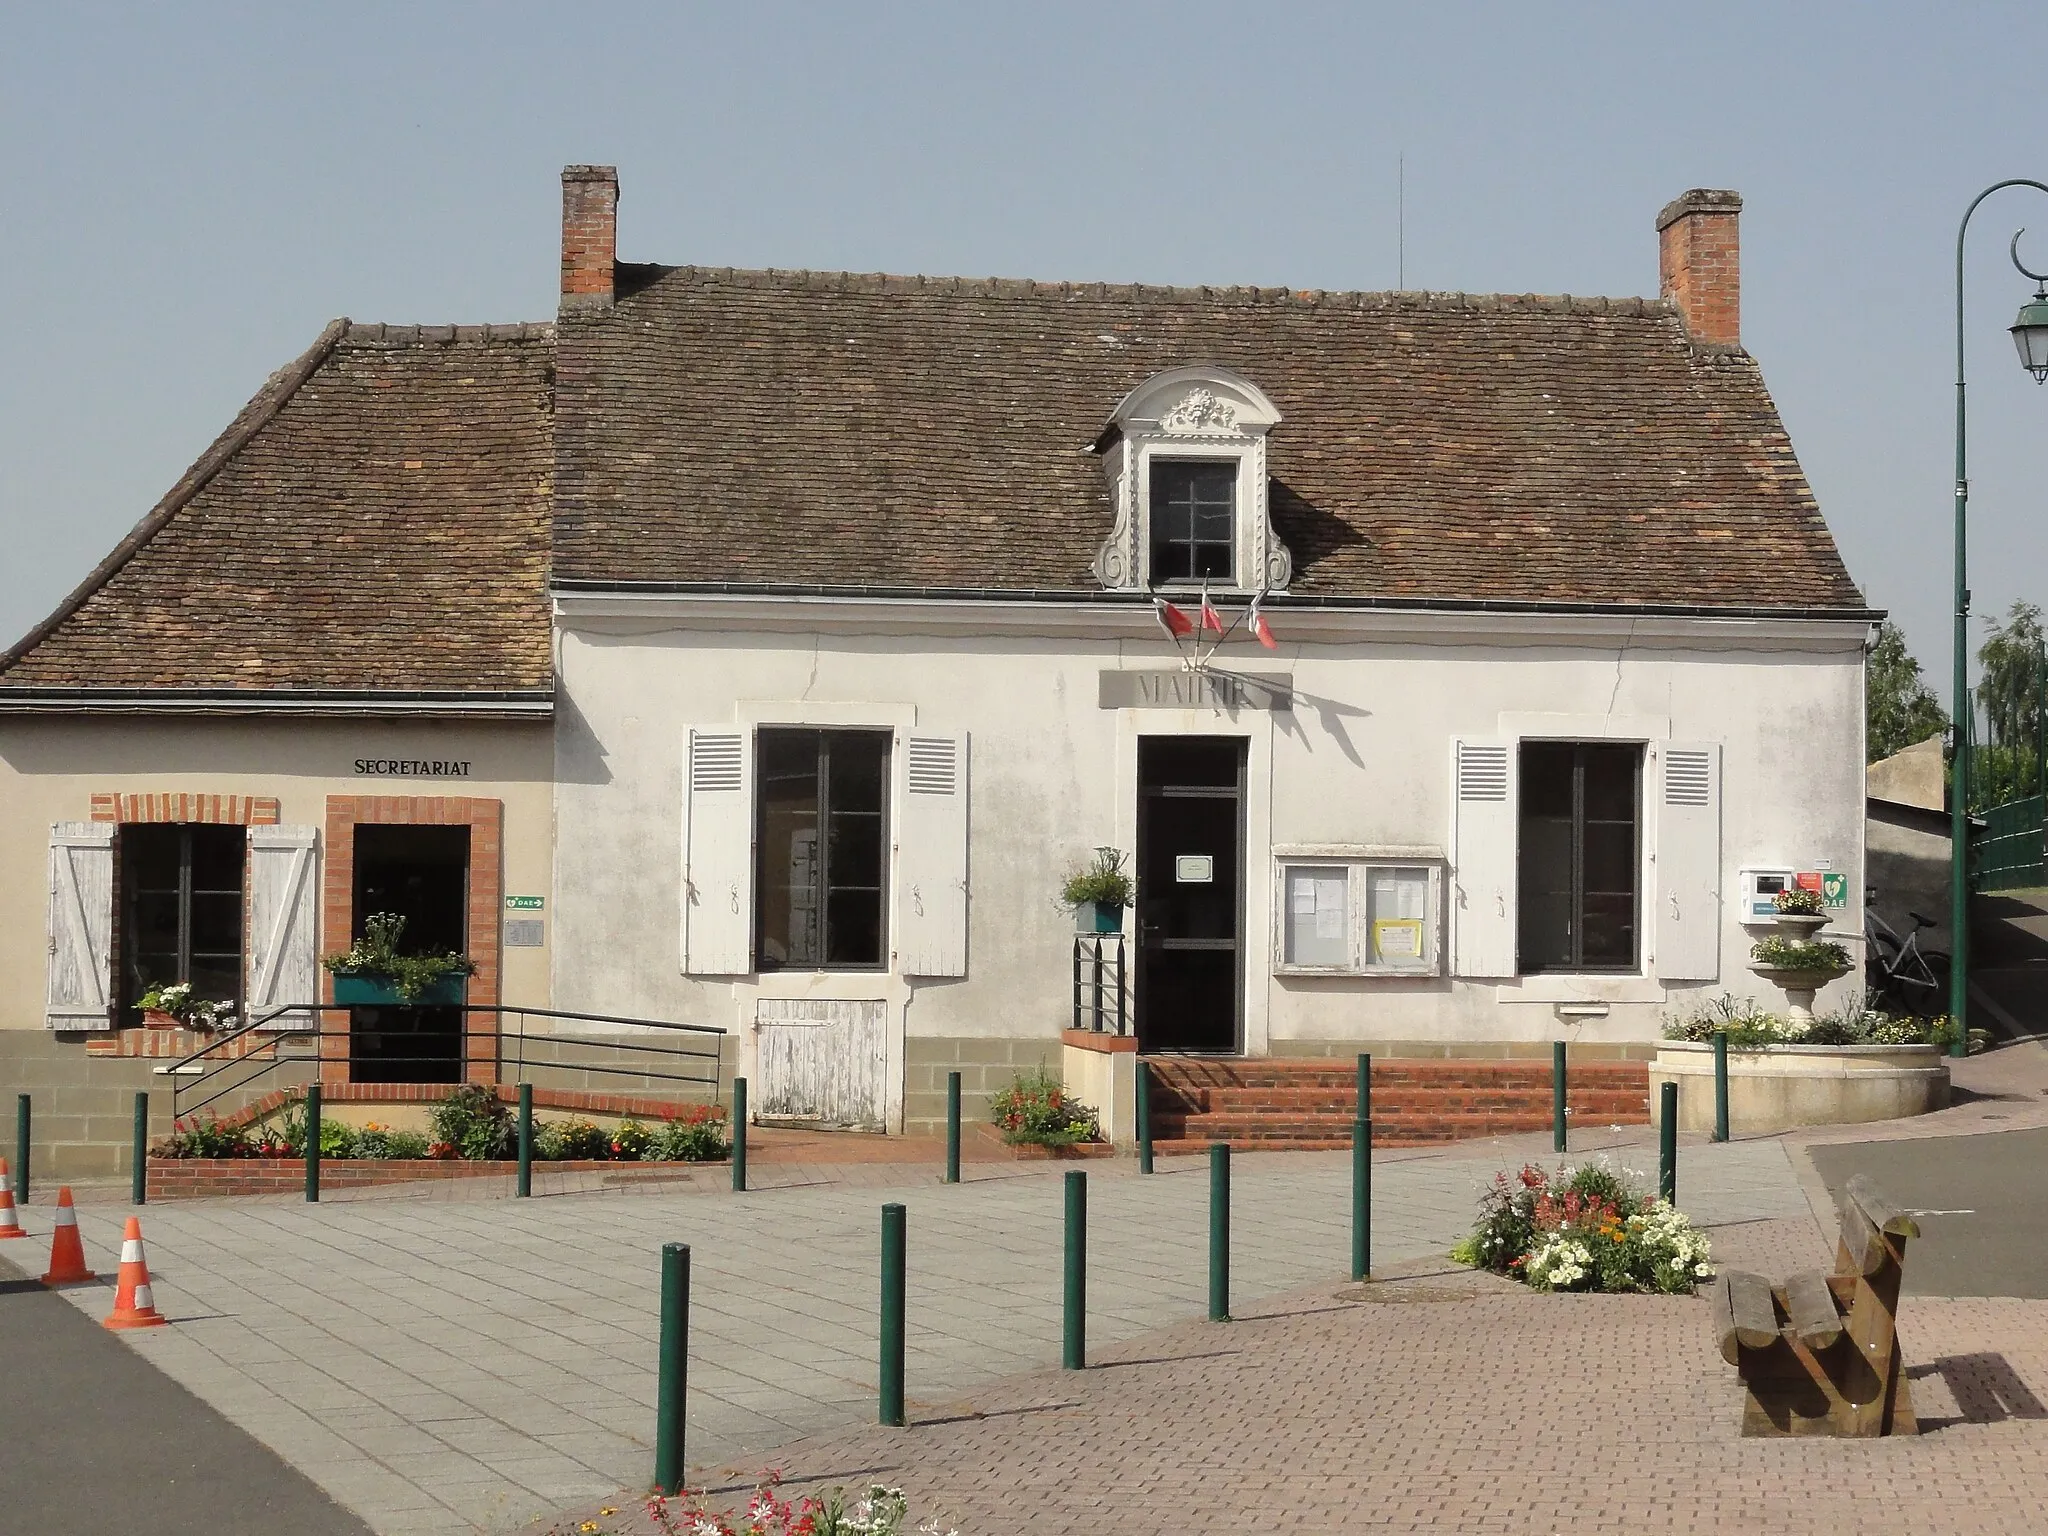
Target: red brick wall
[(486, 822), (232, 810)]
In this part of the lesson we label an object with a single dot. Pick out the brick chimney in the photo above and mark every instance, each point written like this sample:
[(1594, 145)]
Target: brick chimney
[(590, 235), (1699, 265)]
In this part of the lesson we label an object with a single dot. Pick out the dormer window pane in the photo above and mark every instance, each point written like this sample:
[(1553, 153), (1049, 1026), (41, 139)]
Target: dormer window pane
[(1194, 519)]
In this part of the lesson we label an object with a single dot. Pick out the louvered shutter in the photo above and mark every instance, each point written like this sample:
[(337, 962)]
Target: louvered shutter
[(1688, 925), (718, 852), (1483, 851), (81, 978), (931, 857), (284, 926)]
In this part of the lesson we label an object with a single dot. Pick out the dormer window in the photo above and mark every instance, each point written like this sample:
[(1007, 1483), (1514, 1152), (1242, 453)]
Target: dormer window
[(1186, 457), (1194, 521)]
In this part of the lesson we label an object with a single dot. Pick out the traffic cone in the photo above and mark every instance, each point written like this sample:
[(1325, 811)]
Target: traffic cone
[(10, 1224), (67, 1253), (134, 1303)]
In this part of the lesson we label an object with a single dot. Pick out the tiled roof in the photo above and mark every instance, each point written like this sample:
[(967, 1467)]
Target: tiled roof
[(798, 428), (376, 518)]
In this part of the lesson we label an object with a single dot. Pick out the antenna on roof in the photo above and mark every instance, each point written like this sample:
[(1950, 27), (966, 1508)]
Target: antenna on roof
[(1401, 222)]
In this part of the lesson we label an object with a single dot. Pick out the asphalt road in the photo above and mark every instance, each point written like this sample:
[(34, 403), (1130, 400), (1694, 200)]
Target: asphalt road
[(1983, 1203), (95, 1439)]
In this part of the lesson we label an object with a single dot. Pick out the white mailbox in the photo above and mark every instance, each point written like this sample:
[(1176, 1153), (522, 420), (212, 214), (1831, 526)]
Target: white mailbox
[(1757, 891)]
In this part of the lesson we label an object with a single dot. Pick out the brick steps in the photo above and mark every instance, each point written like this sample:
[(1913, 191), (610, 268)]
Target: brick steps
[(1308, 1105)]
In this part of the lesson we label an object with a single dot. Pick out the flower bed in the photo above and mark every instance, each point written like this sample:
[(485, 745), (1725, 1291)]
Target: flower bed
[(470, 1124), (1584, 1229), (1037, 1111), (197, 1178)]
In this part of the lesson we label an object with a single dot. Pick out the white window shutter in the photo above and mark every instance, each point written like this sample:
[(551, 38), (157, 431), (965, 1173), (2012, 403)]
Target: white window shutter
[(283, 945), (1483, 841), (718, 852), (81, 980), (1688, 927), (931, 856)]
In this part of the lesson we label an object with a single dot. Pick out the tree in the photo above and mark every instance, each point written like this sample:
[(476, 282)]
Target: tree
[(2007, 766), (1899, 707)]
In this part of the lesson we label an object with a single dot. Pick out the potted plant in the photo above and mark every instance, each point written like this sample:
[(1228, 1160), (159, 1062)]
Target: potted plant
[(1099, 893), (1800, 912), (374, 973), (174, 1007)]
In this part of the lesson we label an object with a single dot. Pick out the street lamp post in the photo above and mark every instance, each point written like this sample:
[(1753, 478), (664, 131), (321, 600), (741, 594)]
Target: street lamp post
[(2030, 335)]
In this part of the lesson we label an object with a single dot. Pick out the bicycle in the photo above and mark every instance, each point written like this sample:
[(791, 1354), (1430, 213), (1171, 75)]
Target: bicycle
[(1899, 976)]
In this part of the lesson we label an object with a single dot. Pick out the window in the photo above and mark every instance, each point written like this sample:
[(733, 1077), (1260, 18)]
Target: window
[(820, 844), (1579, 853), (1345, 912), (1194, 514), (181, 909)]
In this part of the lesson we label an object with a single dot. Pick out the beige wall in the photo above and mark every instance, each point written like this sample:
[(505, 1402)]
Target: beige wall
[(50, 768)]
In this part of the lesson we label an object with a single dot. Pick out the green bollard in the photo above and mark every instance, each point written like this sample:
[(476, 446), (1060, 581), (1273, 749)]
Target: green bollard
[(312, 1142), (1558, 1105), (138, 1192), (1361, 1175), (1219, 1232), (1667, 1143), (1074, 1313), (673, 1397), (21, 1143), (952, 1127), (1144, 1118), (1720, 1085), (893, 1245), (739, 1135), (526, 1140)]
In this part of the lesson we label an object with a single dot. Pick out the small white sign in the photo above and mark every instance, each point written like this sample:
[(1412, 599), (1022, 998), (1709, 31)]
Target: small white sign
[(1194, 868)]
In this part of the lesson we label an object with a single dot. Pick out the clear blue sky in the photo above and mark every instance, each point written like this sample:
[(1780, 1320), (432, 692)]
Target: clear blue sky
[(191, 191)]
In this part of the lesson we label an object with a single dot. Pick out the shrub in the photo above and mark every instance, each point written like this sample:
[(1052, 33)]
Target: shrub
[(630, 1140), (336, 1139), (548, 1142), (475, 1122), (582, 1139), (1035, 1109), (1584, 1229), (404, 1146), (695, 1137), (205, 1138), (1800, 954)]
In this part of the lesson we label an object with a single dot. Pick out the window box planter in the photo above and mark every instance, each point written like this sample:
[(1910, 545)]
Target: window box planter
[(1777, 1087), (367, 991), (1098, 917)]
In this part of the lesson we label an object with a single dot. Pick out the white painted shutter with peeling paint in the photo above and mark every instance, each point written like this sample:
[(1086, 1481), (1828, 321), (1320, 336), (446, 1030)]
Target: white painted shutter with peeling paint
[(1688, 926), (718, 852), (821, 1060), (931, 856), (1483, 842), (284, 926), (81, 978)]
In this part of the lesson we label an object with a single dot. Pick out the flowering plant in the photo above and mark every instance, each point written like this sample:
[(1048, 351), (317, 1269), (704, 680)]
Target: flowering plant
[(1036, 1108), (1584, 1229), (880, 1511), (1798, 901), (192, 1012)]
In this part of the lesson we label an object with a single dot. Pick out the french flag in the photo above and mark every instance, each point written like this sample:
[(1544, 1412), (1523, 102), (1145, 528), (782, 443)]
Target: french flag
[(1211, 619), (1261, 629), (1171, 619)]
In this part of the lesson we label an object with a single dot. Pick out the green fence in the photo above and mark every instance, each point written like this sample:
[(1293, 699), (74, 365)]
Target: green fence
[(2009, 852)]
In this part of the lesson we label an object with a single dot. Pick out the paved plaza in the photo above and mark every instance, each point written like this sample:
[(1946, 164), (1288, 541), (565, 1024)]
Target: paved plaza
[(443, 1366)]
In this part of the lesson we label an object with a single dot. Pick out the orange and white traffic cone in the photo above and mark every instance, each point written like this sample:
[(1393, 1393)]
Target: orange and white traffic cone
[(134, 1302), (67, 1253), (10, 1223)]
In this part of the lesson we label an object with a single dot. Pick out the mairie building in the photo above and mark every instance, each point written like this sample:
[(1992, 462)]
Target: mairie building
[(760, 651)]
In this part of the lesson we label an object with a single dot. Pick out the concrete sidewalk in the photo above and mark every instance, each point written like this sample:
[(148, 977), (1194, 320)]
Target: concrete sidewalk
[(441, 1367)]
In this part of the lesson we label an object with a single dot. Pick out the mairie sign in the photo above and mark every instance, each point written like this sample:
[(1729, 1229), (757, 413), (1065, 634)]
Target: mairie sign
[(1181, 688)]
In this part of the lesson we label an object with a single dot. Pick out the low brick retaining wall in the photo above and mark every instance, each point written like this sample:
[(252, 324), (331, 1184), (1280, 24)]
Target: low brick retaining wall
[(190, 1178)]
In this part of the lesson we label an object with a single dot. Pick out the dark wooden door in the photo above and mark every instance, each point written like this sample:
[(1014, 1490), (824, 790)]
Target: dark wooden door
[(1190, 871)]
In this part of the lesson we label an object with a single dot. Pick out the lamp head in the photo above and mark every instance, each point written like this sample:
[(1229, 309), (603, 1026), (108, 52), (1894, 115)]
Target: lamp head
[(2030, 335)]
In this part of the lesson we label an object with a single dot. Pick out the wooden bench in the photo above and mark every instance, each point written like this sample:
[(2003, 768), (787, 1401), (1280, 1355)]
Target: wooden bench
[(1819, 1355)]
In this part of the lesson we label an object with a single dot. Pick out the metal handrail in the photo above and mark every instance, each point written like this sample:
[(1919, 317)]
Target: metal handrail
[(1100, 990), (195, 1072)]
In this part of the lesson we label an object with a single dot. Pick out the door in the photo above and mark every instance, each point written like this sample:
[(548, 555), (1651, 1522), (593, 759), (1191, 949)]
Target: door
[(421, 873), (1190, 892)]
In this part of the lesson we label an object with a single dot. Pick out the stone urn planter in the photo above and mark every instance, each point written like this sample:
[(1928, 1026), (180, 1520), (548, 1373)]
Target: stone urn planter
[(1800, 982), (1776, 1087)]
